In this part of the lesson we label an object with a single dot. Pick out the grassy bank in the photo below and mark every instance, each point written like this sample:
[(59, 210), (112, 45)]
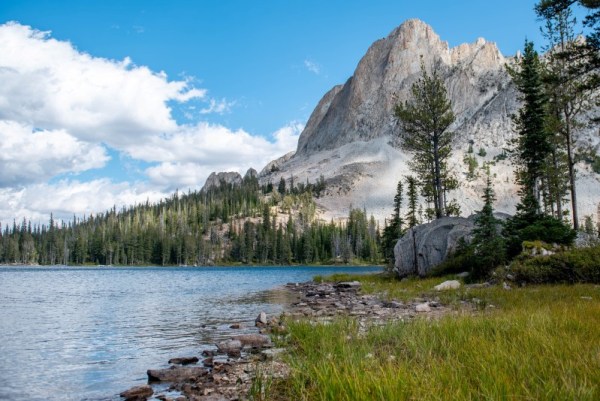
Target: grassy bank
[(529, 343)]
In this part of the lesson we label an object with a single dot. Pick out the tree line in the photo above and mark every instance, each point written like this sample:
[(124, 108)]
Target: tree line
[(224, 224)]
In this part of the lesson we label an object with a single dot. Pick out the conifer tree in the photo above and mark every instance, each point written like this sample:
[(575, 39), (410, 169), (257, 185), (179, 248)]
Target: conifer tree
[(425, 120), (530, 155), (393, 231), (567, 84), (532, 145), (412, 218), (489, 246)]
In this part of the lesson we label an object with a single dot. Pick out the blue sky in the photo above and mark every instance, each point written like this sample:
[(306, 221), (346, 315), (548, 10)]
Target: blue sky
[(122, 101)]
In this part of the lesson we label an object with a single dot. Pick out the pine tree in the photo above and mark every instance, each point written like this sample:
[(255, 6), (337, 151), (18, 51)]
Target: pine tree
[(532, 145), (489, 246), (393, 231), (397, 219), (567, 85), (412, 214), (531, 152), (281, 186), (425, 120)]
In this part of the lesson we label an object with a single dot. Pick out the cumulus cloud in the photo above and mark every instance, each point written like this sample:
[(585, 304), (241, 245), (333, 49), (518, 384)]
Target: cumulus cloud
[(60, 109), (189, 156), (49, 84), (173, 175), (28, 156), (70, 197)]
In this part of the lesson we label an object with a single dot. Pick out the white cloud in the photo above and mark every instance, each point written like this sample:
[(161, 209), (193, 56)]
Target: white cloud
[(67, 198), (189, 156), (220, 107), (210, 144), (27, 156), (61, 108), (49, 84), (312, 66), (173, 175)]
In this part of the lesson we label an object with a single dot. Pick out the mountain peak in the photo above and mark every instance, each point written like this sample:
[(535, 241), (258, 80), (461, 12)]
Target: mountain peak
[(362, 108), (416, 35)]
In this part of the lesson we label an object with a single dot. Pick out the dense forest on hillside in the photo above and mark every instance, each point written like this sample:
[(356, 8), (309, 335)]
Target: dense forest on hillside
[(227, 223)]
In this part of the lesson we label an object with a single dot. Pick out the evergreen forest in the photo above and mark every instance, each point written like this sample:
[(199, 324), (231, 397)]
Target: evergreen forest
[(224, 224)]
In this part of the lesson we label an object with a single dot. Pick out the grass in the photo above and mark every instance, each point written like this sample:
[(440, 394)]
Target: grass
[(390, 288), (536, 343)]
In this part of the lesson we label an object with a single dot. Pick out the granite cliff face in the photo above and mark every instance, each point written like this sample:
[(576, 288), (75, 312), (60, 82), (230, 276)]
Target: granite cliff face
[(351, 136), (362, 109)]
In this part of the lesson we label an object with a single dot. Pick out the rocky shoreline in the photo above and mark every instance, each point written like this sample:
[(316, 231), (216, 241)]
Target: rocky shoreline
[(244, 363)]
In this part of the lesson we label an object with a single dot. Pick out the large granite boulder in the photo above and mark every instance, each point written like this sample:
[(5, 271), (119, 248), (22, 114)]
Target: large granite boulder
[(425, 246)]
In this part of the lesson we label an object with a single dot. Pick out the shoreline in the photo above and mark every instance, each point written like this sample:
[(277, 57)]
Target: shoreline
[(243, 364), (57, 266)]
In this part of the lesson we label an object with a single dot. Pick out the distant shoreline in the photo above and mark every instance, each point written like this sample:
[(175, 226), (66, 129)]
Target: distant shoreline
[(189, 266)]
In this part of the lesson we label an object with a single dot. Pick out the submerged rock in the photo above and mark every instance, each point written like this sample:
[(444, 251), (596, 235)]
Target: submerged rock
[(183, 360)]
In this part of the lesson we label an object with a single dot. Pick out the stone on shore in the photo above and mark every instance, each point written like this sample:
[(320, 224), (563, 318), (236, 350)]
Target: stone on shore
[(448, 285), (261, 320), (424, 307), (269, 354), (232, 348), (253, 340), (353, 285), (183, 360), (137, 393), (175, 374)]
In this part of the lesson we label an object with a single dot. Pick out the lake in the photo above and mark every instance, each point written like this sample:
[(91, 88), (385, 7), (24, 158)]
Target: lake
[(89, 333)]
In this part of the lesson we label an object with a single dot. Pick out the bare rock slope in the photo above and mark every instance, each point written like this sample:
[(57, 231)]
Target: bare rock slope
[(351, 136)]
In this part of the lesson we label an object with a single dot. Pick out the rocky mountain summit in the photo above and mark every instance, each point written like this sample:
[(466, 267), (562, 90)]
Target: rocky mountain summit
[(216, 179), (351, 136)]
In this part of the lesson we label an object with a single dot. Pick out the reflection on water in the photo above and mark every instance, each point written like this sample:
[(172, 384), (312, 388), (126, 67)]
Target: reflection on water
[(89, 333)]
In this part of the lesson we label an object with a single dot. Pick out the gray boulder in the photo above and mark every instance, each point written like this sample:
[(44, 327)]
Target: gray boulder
[(425, 246)]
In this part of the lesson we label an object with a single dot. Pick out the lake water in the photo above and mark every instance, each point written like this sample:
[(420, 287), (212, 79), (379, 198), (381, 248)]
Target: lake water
[(90, 333)]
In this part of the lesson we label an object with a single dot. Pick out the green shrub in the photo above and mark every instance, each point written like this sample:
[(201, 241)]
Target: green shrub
[(501, 156), (536, 228), (574, 266), (463, 260), (596, 165)]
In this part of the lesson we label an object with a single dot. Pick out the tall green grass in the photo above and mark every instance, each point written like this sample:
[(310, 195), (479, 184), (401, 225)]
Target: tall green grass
[(536, 343)]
